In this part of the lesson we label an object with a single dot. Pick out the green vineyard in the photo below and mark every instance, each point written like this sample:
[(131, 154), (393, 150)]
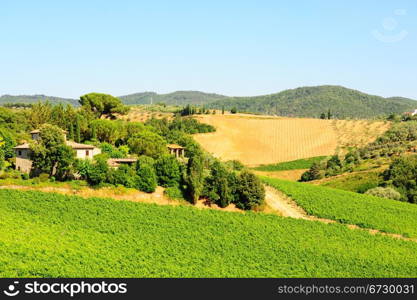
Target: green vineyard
[(51, 235), (351, 208)]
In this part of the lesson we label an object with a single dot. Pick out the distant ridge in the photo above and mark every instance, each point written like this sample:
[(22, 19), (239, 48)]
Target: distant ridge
[(300, 102), (314, 101), (175, 98), (32, 99)]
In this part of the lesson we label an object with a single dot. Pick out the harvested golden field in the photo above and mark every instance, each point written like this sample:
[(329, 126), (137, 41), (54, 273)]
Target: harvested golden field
[(256, 140), (142, 114)]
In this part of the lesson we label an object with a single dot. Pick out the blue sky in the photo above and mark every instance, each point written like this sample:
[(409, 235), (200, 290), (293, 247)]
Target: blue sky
[(229, 47)]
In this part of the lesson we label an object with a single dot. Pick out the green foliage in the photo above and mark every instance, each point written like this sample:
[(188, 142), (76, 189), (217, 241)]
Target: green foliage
[(50, 154), (83, 167), (250, 190), (386, 192), (97, 173), (123, 175), (233, 110), (114, 152), (402, 174), (234, 165), (315, 101), (168, 171), (175, 98), (102, 104), (356, 182), (195, 177), (77, 133), (43, 177), (33, 99), (304, 163), (147, 180), (315, 172), (186, 125), (220, 186), (148, 143), (346, 207), (59, 236), (106, 131), (7, 144), (174, 192)]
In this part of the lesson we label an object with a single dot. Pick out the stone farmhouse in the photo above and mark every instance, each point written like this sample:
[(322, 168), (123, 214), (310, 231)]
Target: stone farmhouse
[(83, 151), (23, 152)]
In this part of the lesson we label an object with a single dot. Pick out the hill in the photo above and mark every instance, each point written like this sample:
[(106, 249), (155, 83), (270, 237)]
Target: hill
[(32, 99), (314, 101), (175, 98), (308, 102), (256, 140), (50, 235)]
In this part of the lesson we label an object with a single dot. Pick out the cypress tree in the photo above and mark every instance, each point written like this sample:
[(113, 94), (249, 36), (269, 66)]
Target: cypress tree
[(77, 130)]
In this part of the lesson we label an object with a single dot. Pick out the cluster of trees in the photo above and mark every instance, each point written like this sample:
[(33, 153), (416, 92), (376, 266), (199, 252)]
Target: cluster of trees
[(402, 175), (327, 115), (144, 175), (189, 110), (332, 166)]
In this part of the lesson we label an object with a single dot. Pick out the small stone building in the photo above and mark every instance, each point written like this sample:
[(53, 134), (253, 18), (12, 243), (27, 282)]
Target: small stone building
[(23, 152), (176, 150)]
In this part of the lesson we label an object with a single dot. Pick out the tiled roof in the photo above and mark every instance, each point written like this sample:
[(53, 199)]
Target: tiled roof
[(75, 145), (23, 146), (174, 146)]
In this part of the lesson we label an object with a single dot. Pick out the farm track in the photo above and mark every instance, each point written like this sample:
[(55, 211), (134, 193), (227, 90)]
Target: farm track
[(286, 207), (277, 201)]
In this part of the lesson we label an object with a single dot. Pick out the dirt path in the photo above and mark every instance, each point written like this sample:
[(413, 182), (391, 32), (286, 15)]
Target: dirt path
[(286, 207)]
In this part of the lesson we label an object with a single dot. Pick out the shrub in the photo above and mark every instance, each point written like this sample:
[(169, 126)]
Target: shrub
[(123, 175), (146, 180), (250, 190), (174, 192), (43, 177), (168, 171), (97, 174), (25, 176), (386, 192), (235, 165)]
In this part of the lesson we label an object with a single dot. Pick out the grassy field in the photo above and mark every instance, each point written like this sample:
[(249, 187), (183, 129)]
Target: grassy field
[(356, 182), (291, 165), (351, 208), (260, 140), (51, 235)]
